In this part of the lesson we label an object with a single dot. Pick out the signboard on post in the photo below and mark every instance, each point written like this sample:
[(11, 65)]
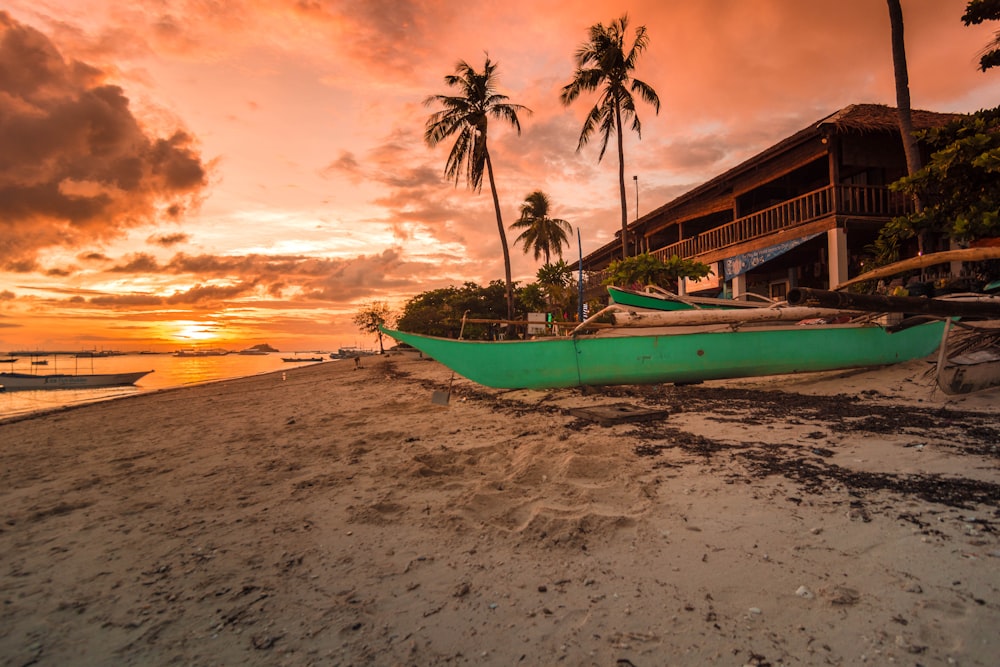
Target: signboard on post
[(537, 323), (710, 281)]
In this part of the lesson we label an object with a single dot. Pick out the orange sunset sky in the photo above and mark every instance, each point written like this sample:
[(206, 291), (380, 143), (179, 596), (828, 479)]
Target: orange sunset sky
[(232, 172)]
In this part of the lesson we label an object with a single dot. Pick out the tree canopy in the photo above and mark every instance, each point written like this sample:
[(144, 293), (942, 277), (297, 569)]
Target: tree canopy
[(959, 186), (647, 269), (439, 312), (371, 317)]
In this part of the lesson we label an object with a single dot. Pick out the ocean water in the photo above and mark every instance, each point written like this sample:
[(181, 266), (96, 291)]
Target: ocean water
[(168, 371)]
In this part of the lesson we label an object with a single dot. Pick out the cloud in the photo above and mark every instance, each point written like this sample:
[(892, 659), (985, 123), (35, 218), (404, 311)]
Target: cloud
[(126, 300), (138, 263), (76, 166), (168, 240), (210, 293)]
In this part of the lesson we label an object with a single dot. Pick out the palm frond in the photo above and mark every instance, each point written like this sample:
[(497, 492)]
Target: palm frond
[(646, 93)]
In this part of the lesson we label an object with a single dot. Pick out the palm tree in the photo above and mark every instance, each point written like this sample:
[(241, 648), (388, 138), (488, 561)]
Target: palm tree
[(601, 63), (467, 115), (910, 148), (541, 233)]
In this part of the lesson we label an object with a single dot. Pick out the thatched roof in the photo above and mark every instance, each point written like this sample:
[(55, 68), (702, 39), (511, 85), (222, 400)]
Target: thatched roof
[(880, 118)]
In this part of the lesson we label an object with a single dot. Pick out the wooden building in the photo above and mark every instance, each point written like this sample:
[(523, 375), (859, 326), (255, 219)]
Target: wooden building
[(798, 214)]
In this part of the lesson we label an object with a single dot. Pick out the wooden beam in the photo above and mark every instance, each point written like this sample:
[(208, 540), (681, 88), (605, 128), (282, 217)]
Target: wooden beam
[(923, 261)]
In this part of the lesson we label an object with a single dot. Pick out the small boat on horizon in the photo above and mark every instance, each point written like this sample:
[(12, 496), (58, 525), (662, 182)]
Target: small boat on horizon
[(301, 359), (350, 353), (21, 381), (207, 352)]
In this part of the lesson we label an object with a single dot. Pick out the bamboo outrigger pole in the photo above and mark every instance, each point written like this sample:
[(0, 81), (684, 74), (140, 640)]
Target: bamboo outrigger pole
[(922, 261), (981, 307)]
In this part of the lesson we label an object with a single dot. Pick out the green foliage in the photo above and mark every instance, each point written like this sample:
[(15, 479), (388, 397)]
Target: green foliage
[(976, 12), (558, 274), (959, 187), (439, 312), (647, 269), (532, 298), (556, 282), (370, 317)]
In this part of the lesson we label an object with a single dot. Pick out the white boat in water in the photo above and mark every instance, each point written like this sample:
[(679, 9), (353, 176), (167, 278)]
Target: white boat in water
[(208, 352), (16, 381)]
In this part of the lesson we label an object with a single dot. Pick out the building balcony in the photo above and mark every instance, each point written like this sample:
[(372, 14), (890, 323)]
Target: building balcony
[(830, 202)]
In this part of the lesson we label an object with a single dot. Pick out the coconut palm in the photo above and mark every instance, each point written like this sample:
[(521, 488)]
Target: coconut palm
[(602, 64), (467, 115), (545, 235)]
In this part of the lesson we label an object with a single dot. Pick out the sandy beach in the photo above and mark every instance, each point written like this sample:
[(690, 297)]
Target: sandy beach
[(340, 517)]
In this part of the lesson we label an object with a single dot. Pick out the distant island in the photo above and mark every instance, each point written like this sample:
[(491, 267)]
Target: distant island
[(262, 348)]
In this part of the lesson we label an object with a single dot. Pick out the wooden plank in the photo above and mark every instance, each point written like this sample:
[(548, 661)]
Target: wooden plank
[(985, 307)]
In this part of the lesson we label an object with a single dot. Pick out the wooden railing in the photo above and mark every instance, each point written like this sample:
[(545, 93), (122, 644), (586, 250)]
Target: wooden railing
[(857, 200)]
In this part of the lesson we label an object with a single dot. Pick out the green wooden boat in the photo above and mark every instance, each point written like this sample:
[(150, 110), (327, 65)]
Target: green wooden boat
[(663, 300), (676, 354)]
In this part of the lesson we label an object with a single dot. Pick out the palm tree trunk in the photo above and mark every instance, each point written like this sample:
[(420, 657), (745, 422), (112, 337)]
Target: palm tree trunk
[(621, 181), (910, 147), (503, 239)]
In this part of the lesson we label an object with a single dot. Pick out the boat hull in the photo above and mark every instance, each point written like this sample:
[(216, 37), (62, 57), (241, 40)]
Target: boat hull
[(976, 371), (633, 299), (21, 381), (550, 363)]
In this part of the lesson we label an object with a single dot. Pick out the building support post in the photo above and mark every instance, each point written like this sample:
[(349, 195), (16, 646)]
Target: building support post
[(954, 268), (739, 285), (836, 242)]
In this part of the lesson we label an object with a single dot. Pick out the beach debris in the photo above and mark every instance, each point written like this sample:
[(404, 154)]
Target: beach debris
[(618, 413), (443, 397), (804, 592), (264, 642), (843, 596)]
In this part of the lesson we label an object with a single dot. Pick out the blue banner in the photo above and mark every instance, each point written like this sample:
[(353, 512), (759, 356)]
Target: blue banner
[(740, 264)]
